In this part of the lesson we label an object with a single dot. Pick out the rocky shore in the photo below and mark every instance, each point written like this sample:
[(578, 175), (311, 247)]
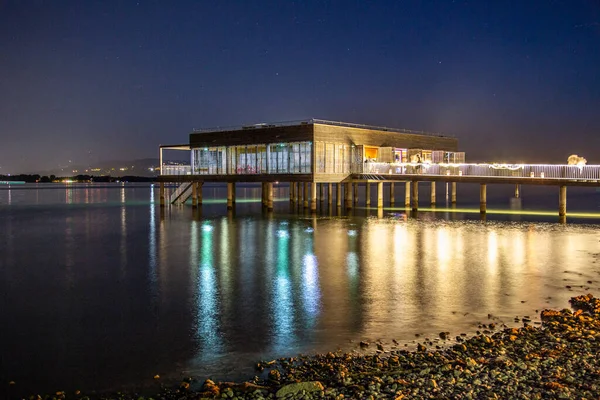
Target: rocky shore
[(558, 359)]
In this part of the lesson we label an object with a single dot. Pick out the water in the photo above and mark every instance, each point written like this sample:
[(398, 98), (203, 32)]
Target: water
[(100, 289)]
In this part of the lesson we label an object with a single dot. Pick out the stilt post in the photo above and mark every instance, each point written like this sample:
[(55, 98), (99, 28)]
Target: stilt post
[(162, 194), (348, 194), (305, 195), (562, 201), (194, 194), (313, 196), (483, 198), (415, 195), (270, 196), (453, 195), (230, 190)]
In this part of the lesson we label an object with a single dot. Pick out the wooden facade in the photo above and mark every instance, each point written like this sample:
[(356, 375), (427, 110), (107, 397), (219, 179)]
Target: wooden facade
[(334, 149), (380, 138)]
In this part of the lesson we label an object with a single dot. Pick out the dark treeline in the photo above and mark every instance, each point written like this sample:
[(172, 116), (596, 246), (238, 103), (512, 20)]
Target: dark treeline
[(35, 178)]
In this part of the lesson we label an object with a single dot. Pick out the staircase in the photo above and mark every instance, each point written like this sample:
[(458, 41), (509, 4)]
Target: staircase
[(182, 193)]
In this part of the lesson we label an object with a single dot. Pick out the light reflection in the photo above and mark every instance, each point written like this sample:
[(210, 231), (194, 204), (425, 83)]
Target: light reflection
[(444, 248), (152, 256), (69, 194), (123, 246), (352, 265), (283, 305), (492, 252), (311, 291), (224, 265), (207, 313)]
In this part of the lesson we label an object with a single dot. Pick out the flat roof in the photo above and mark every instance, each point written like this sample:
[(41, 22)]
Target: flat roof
[(174, 146), (311, 121)]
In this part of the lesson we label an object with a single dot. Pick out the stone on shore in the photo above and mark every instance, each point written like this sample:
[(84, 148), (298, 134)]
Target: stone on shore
[(295, 388)]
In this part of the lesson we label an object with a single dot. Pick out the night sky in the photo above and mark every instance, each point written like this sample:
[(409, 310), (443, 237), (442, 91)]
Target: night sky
[(89, 81)]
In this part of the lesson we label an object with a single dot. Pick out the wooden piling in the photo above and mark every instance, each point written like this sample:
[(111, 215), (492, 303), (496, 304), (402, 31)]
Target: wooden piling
[(483, 198), (270, 196), (162, 194), (230, 190), (313, 196), (415, 195), (562, 201), (305, 195)]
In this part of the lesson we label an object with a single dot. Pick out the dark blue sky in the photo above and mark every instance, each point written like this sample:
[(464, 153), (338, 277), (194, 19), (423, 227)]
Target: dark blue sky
[(99, 80)]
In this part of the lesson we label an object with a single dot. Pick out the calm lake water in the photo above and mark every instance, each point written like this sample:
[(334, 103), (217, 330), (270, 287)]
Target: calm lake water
[(101, 289)]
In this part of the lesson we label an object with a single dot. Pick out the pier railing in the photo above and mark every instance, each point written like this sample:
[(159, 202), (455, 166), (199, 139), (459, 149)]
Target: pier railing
[(176, 170), (544, 171)]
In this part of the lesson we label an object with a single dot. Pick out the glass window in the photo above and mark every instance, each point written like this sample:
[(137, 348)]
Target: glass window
[(329, 158), (339, 158), (320, 156), (261, 159)]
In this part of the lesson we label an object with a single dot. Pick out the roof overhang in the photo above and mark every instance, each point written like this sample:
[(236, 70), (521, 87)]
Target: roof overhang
[(175, 146)]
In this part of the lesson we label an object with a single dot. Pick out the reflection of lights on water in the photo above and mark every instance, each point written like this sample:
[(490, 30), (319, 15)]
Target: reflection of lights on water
[(352, 262), (311, 292), (352, 233), (207, 312), (207, 228), (283, 234), (309, 230), (283, 312), (444, 248), (492, 247)]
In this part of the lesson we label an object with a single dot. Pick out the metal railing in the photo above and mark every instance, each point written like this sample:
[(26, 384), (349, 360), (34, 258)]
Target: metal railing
[(318, 121), (544, 171), (176, 170)]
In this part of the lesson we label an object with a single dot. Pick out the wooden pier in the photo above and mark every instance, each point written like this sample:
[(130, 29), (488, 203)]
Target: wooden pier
[(313, 156)]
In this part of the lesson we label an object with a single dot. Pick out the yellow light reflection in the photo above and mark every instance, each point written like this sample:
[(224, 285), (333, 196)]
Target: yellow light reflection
[(492, 252), (444, 248)]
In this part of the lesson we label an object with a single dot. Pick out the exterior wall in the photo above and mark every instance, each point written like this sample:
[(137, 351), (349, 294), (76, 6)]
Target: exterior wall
[(371, 137), (262, 135), (349, 143)]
